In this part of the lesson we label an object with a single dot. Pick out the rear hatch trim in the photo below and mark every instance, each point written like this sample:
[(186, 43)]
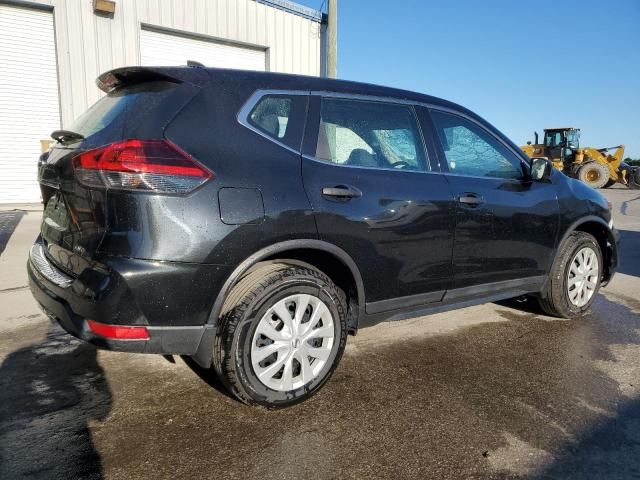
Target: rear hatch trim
[(43, 265)]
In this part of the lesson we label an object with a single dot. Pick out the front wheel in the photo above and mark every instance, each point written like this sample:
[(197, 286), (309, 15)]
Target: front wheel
[(281, 336), (575, 277)]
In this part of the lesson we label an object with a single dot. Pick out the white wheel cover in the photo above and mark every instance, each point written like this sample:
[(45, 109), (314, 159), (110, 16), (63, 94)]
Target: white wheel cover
[(292, 342), (582, 278)]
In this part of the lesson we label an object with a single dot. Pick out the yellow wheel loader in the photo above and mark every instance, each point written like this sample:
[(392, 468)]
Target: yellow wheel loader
[(594, 166)]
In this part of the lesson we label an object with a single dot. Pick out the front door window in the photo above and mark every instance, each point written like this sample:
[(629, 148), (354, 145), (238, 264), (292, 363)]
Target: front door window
[(472, 151)]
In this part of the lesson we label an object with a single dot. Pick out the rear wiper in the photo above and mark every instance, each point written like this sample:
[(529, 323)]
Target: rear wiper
[(66, 136)]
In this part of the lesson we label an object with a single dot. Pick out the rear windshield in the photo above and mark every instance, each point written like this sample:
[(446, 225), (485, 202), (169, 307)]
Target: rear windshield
[(101, 114), (114, 106)]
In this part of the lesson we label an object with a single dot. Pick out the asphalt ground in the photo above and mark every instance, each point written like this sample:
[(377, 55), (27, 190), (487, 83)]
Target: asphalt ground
[(493, 391)]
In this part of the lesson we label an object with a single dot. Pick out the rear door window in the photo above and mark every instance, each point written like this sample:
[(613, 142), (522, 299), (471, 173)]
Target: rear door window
[(370, 134)]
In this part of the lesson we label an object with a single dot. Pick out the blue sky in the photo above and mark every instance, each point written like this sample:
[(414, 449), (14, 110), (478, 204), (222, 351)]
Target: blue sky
[(521, 65)]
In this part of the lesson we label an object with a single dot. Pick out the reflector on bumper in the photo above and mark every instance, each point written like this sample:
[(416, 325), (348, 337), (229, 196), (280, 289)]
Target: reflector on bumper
[(118, 332)]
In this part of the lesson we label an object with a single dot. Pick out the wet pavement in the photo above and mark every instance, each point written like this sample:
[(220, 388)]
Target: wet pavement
[(494, 391)]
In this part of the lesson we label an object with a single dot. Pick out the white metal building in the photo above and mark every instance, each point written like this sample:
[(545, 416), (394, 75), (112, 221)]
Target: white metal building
[(51, 51)]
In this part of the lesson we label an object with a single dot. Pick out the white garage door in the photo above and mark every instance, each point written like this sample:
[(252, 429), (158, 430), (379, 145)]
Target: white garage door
[(163, 49), (29, 109)]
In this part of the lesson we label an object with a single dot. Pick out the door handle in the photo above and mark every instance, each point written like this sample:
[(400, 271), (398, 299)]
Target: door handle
[(470, 199), (341, 192)]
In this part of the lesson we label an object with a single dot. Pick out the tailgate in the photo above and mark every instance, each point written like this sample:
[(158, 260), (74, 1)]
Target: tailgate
[(76, 217)]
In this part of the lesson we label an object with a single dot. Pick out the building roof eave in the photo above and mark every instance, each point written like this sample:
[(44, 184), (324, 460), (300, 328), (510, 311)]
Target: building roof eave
[(295, 8)]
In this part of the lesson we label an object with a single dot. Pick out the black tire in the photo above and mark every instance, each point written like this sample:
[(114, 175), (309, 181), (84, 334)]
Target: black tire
[(594, 174), (554, 300), (242, 311)]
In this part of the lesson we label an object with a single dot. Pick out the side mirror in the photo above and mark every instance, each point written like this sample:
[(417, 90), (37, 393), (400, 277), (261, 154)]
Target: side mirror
[(540, 169)]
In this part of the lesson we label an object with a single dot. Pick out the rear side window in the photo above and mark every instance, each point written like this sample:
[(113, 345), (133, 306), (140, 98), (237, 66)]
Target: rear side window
[(472, 151), (280, 117), (369, 134)]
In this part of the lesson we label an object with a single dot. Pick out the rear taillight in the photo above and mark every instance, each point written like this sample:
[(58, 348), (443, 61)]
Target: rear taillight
[(140, 165)]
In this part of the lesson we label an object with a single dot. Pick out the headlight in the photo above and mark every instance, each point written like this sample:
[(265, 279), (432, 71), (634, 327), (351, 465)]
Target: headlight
[(611, 224)]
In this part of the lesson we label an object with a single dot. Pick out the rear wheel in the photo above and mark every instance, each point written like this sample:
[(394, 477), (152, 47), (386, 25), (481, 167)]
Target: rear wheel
[(574, 279), (282, 334), (594, 174)]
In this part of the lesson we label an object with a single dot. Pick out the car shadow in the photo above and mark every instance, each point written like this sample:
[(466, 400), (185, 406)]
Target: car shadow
[(629, 261), (9, 220), (605, 451), (207, 375), (49, 393), (608, 447), (523, 303)]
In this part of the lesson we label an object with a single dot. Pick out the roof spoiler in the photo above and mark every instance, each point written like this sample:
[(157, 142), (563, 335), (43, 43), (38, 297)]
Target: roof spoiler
[(114, 79)]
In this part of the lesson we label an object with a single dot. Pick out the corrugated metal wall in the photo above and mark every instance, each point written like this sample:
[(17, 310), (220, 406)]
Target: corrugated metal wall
[(88, 44)]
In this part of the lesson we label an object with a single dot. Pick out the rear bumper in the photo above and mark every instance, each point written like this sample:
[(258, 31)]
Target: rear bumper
[(163, 340), (175, 325)]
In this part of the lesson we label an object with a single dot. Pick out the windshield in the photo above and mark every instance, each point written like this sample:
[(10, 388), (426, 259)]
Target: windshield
[(573, 138)]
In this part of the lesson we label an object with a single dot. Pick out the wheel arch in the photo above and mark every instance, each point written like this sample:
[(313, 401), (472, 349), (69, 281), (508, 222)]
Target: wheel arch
[(324, 256), (309, 252), (600, 230)]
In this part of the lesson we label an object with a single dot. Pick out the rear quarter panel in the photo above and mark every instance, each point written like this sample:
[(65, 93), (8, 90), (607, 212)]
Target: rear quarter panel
[(208, 129)]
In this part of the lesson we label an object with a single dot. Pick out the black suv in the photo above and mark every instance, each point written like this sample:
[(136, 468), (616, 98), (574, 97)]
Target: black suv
[(252, 220)]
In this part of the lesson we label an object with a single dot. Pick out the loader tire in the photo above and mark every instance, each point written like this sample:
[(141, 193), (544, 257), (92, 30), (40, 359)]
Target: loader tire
[(594, 174)]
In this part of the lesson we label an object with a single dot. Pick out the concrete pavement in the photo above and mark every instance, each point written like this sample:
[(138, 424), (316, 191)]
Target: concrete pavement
[(494, 391), (19, 226)]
